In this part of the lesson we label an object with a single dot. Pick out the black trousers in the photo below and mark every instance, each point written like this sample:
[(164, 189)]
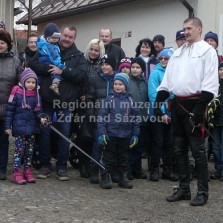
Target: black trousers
[(116, 155), (185, 136)]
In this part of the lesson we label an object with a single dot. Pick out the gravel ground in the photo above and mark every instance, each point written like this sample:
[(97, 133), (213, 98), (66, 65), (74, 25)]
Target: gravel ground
[(77, 200)]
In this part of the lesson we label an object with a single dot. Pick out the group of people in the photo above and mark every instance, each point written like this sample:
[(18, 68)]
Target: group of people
[(153, 102)]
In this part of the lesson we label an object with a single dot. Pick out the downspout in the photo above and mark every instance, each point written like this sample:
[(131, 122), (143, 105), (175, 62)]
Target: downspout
[(189, 7)]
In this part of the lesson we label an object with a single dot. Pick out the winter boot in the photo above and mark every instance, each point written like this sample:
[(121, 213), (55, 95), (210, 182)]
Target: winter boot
[(124, 182), (83, 169), (28, 175), (154, 174), (94, 175), (106, 182), (17, 177), (169, 174)]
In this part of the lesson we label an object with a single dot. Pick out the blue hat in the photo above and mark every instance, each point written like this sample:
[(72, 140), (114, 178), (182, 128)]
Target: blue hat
[(211, 35), (180, 34), (124, 78), (166, 53), (51, 30)]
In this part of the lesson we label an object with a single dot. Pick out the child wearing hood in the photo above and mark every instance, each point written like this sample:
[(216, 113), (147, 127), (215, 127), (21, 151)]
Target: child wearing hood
[(22, 121)]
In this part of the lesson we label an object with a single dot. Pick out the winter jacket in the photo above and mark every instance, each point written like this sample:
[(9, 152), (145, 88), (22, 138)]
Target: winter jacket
[(155, 80), (9, 76), (118, 118), (22, 120), (99, 89), (26, 56), (50, 53), (74, 75), (117, 51), (218, 114), (138, 88), (150, 65)]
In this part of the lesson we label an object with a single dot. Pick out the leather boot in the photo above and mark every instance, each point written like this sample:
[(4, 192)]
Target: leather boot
[(124, 182), (199, 200), (94, 175), (179, 195), (106, 182)]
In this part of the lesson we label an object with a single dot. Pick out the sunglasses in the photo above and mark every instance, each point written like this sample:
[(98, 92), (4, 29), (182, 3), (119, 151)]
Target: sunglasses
[(163, 58)]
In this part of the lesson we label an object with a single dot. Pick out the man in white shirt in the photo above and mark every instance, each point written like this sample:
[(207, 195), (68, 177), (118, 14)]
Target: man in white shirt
[(192, 76)]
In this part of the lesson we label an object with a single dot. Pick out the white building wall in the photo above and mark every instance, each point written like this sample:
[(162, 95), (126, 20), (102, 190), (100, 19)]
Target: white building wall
[(143, 18)]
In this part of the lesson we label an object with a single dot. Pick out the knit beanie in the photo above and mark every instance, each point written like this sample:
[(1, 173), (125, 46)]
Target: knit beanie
[(2, 25), (211, 35), (125, 62), (166, 53), (159, 38), (51, 30), (124, 78), (28, 73), (220, 65), (139, 61), (6, 37), (109, 59)]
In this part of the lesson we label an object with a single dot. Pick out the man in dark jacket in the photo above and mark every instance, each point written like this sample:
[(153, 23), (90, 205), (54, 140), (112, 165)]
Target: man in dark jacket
[(74, 75), (29, 51), (106, 36)]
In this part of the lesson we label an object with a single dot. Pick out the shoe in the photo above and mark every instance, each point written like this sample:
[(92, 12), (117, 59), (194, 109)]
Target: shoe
[(124, 182), (154, 174), (55, 88), (43, 173), (62, 175), (17, 177), (106, 182), (216, 175), (94, 175), (2, 176), (139, 175), (179, 195), (199, 200), (115, 177), (83, 170), (130, 176), (168, 174), (28, 175)]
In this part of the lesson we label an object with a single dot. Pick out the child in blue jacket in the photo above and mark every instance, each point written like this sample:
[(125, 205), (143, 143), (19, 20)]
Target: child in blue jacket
[(50, 52), (118, 130), (22, 116)]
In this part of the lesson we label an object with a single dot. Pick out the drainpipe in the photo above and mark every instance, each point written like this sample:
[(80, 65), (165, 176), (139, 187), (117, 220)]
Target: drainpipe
[(189, 7)]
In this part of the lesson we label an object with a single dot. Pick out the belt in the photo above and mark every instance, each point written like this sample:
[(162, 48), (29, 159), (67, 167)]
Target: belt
[(189, 97)]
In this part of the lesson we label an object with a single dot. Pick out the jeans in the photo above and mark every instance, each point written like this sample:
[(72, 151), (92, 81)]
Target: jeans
[(217, 146), (4, 147), (63, 125)]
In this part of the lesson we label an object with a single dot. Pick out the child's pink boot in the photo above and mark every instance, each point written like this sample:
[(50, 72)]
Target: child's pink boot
[(28, 175), (17, 177)]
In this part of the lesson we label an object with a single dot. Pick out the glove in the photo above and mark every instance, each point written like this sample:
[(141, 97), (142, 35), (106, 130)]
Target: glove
[(197, 119), (103, 139), (158, 112), (133, 141), (47, 121)]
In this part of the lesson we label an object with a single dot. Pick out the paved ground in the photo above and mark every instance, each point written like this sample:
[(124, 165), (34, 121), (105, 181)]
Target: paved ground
[(51, 200)]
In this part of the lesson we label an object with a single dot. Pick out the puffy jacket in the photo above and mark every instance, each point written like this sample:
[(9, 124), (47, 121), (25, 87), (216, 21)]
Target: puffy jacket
[(50, 53), (100, 87), (9, 76), (138, 88), (119, 117), (155, 80), (74, 75), (21, 120)]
